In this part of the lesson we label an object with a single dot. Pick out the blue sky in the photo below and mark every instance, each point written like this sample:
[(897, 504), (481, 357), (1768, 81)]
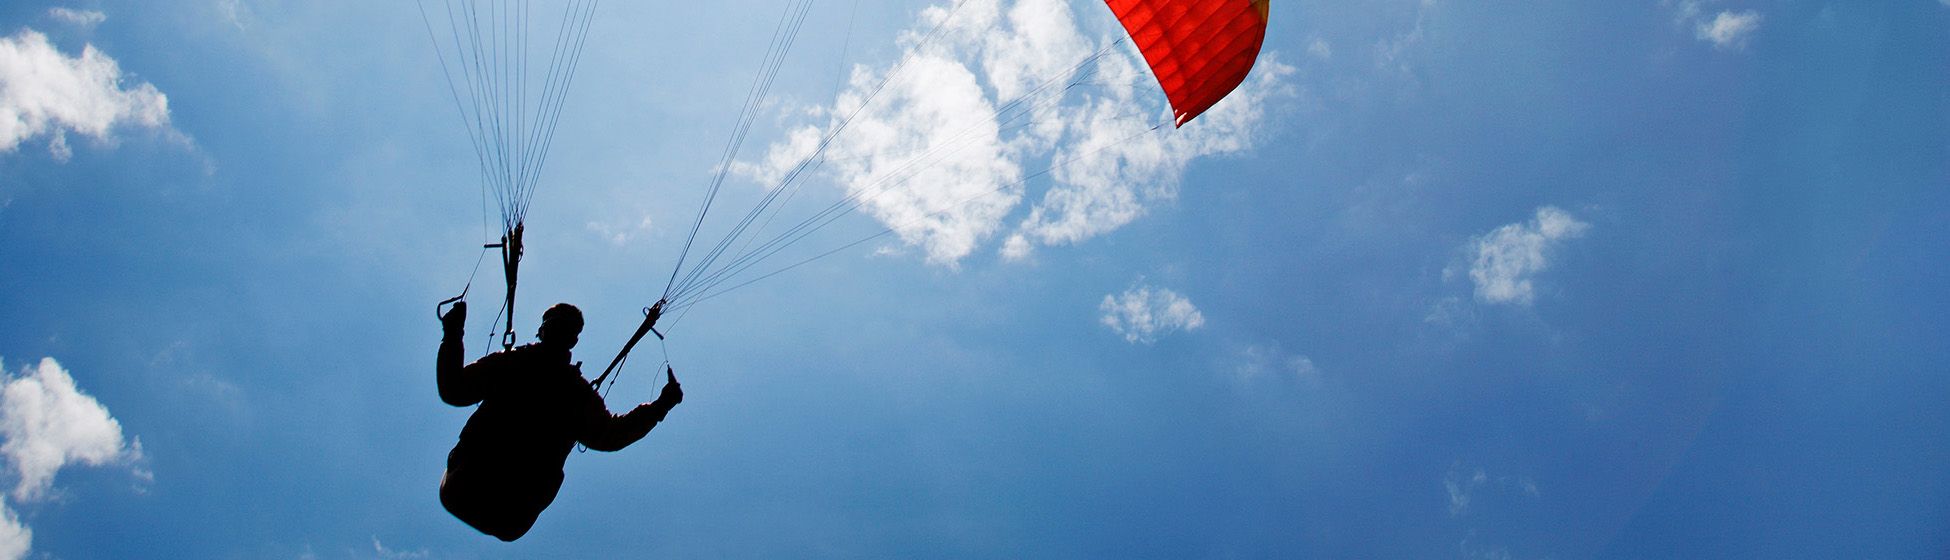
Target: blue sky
[(1653, 279)]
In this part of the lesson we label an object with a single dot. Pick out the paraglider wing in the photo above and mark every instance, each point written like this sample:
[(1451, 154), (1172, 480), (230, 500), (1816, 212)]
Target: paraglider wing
[(1199, 49)]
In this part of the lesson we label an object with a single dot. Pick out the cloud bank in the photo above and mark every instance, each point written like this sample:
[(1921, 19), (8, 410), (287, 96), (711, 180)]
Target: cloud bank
[(48, 424), (45, 92), (1142, 313), (1504, 260), (942, 152)]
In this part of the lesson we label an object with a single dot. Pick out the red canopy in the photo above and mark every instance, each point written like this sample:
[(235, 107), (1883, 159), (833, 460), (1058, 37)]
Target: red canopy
[(1199, 49)]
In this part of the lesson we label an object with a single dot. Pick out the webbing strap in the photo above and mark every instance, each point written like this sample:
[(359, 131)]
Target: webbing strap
[(650, 315)]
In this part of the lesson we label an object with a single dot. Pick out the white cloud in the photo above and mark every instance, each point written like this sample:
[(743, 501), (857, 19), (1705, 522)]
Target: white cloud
[(83, 18), (1686, 11), (1460, 485), (1483, 552), (940, 154), (1472, 489), (383, 552), (1400, 52), (1728, 29), (1318, 48), (57, 146), (1116, 172), (1143, 313), (48, 424), (1448, 310), (1262, 361), (1505, 259), (927, 162), (234, 12), (15, 539), (621, 233), (43, 91)]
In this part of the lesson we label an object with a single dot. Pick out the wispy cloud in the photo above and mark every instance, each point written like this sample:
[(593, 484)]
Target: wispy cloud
[(234, 12), (942, 152), (1685, 11), (1462, 484), (621, 232), (1318, 48), (45, 92), (1396, 53), (1459, 484), (48, 424), (1256, 361), (1473, 489), (83, 18), (383, 552), (1143, 313), (1728, 30), (1504, 260)]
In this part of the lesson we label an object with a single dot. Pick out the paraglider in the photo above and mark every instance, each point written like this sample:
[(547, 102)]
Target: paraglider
[(534, 407)]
